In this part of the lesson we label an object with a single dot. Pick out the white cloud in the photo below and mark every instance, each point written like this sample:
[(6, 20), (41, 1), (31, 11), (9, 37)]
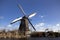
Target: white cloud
[(57, 24), (1, 28), (40, 24), (43, 27), (9, 26), (42, 16), (40, 27), (54, 28)]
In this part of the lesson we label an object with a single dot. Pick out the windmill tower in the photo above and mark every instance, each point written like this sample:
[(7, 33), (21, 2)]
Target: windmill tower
[(24, 27)]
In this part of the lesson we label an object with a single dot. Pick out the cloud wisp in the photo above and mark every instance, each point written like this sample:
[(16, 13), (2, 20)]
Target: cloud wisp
[(43, 27), (40, 26), (1, 17)]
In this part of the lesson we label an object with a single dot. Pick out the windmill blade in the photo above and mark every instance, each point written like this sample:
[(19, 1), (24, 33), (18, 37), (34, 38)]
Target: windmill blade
[(16, 20), (20, 7), (31, 15), (31, 25)]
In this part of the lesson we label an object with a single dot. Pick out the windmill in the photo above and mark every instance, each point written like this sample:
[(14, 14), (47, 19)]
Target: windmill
[(24, 21)]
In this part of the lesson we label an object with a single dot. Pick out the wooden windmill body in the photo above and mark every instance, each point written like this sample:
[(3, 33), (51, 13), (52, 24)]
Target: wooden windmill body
[(23, 28)]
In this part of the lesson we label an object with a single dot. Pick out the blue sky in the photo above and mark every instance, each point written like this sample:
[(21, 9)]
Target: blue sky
[(48, 12)]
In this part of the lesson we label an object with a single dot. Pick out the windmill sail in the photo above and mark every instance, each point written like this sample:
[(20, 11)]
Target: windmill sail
[(31, 25), (16, 20), (31, 15), (20, 7)]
